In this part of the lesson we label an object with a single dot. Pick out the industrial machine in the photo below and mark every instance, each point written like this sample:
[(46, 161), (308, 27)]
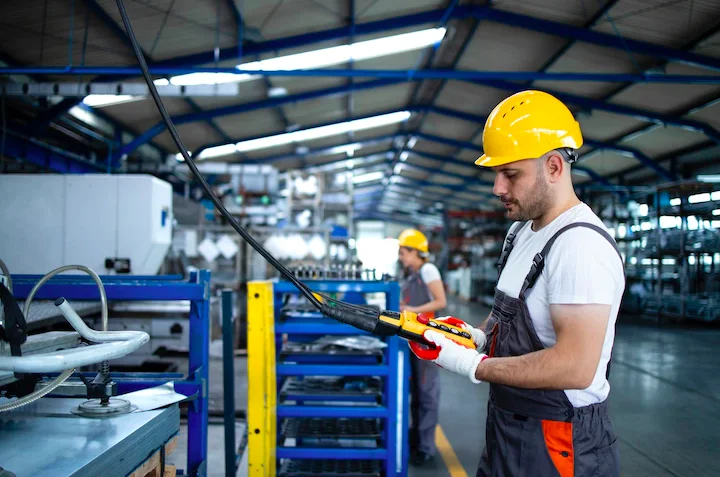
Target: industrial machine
[(114, 224)]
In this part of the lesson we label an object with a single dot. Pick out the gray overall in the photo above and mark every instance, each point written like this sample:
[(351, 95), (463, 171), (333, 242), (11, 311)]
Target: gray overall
[(425, 378), (537, 432)]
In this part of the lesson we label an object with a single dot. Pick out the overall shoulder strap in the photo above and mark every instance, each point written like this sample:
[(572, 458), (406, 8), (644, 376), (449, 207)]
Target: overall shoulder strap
[(508, 246), (539, 259)]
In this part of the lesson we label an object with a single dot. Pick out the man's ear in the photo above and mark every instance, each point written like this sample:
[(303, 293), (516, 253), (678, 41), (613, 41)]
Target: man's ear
[(554, 166)]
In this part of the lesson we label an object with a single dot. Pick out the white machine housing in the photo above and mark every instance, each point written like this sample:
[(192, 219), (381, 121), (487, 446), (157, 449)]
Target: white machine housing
[(50, 220)]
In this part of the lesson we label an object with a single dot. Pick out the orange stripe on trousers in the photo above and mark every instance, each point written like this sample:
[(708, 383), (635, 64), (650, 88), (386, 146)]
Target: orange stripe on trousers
[(558, 439)]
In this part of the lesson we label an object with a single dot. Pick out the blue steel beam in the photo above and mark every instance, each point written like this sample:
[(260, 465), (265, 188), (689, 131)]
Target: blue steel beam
[(443, 159), (596, 38), (637, 154), (408, 75), (247, 107), (589, 103), (310, 126), (49, 157), (602, 11), (119, 33), (308, 39), (457, 13)]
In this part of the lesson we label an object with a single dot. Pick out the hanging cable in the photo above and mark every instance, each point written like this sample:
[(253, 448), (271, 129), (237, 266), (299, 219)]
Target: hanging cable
[(191, 164)]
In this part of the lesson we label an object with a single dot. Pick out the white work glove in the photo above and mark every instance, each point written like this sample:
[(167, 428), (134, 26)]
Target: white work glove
[(455, 357), (478, 336)]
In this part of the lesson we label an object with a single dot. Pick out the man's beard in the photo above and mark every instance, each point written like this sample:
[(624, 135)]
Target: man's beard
[(536, 203)]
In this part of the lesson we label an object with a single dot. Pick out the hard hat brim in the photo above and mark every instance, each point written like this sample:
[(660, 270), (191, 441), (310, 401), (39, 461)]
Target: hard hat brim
[(494, 161)]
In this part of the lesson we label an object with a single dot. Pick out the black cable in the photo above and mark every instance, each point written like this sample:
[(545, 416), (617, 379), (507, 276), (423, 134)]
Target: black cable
[(363, 317), (188, 160)]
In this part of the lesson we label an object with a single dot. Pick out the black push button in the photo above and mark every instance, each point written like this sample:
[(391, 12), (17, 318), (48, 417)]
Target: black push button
[(432, 324), (444, 328), (465, 335), (454, 331)]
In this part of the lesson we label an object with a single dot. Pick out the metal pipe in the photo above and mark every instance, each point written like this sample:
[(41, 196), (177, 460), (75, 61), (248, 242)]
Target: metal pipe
[(65, 268), (115, 344), (409, 75)]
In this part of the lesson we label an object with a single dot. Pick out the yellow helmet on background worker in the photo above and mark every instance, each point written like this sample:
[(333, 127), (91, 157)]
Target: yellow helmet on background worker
[(527, 125), (412, 238)]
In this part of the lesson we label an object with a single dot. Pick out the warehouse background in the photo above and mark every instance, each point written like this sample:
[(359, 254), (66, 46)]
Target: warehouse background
[(371, 123)]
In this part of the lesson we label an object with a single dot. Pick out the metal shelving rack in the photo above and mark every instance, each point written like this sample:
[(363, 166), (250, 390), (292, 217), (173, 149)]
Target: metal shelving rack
[(196, 289), (314, 413)]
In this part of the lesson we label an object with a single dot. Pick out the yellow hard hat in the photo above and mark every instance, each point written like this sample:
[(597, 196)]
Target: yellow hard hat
[(527, 125), (412, 238)]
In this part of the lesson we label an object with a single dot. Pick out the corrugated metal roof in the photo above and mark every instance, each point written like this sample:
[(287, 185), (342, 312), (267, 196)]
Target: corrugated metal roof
[(563, 11), (199, 25), (603, 126), (668, 23), (606, 162), (497, 47), (665, 140), (448, 127)]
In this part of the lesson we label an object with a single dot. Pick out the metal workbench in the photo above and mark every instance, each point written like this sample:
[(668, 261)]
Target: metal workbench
[(45, 439), (196, 289)]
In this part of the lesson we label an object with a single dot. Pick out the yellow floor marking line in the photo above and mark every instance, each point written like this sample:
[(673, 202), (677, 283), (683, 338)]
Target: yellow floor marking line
[(448, 454)]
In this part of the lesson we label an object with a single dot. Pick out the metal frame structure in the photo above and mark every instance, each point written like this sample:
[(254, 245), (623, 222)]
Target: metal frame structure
[(196, 289), (267, 372)]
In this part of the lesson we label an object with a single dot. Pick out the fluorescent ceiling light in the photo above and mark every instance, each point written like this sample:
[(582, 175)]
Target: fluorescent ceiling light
[(715, 195), (363, 50), (404, 156), (675, 201), (323, 131), (709, 178), (369, 177), (643, 210), (398, 168), (99, 100), (697, 198), (411, 143), (336, 55), (716, 212), (217, 151)]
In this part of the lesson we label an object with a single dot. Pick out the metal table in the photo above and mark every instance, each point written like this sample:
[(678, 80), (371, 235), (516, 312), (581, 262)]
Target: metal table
[(45, 439)]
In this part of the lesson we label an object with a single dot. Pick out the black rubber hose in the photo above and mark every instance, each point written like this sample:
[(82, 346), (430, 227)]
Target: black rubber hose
[(188, 160)]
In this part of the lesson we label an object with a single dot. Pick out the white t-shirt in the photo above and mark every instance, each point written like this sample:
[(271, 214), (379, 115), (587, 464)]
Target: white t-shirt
[(582, 267), (429, 273)]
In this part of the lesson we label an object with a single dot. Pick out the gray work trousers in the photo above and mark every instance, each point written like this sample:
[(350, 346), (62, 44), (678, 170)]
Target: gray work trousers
[(425, 404)]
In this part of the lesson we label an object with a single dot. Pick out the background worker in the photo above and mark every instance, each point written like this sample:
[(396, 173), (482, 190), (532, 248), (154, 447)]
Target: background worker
[(422, 292), (551, 330)]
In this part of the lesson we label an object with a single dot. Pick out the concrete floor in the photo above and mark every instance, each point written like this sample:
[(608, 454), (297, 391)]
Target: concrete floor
[(663, 403)]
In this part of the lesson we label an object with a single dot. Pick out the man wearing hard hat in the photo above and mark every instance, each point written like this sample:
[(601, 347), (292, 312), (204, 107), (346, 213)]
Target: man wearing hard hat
[(547, 344), (422, 292)]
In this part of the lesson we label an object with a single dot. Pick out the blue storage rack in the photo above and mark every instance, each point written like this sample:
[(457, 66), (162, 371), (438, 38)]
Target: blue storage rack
[(196, 289), (389, 456)]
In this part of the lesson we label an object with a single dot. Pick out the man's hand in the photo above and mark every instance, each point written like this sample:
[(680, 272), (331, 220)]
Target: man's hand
[(477, 335), (455, 357)]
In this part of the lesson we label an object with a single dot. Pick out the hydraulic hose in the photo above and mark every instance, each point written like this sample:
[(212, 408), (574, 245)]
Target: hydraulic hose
[(32, 397), (35, 395), (6, 272)]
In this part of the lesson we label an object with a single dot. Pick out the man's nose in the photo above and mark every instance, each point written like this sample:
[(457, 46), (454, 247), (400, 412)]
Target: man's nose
[(500, 186)]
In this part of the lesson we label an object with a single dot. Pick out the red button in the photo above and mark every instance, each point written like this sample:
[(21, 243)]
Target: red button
[(423, 318)]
